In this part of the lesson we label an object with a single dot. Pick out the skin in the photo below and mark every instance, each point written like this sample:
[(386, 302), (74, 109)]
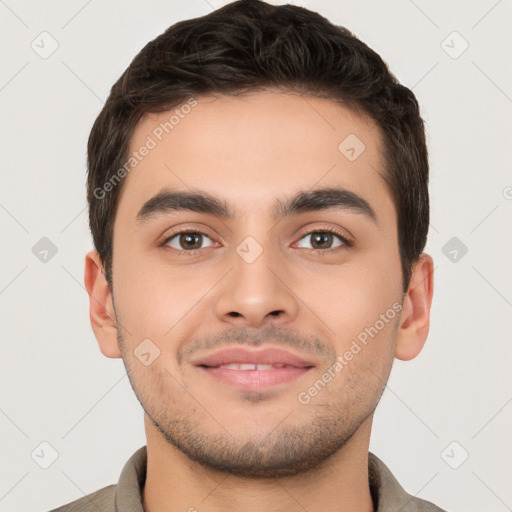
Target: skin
[(216, 447)]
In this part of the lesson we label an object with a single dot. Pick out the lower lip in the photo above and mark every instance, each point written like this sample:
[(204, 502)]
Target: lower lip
[(254, 380)]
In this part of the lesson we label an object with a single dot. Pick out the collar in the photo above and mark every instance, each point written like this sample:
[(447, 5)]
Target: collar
[(387, 494)]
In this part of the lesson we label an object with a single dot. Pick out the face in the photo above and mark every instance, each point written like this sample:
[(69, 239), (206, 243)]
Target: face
[(310, 289)]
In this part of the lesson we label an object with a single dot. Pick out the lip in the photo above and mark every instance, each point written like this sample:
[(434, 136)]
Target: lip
[(240, 355), (253, 380)]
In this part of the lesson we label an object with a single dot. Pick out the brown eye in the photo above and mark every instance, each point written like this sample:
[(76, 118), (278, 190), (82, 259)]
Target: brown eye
[(187, 241), (320, 240), (324, 240)]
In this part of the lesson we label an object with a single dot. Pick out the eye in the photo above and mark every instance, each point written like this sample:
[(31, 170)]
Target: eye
[(323, 239), (188, 241), (191, 241)]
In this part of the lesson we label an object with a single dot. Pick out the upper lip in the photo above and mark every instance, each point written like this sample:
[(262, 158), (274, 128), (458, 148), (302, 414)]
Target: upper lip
[(241, 355)]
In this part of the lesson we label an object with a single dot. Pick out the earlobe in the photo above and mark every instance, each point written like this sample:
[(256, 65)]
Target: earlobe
[(415, 316), (101, 309)]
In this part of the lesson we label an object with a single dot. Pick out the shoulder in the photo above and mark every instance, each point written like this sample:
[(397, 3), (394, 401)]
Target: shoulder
[(102, 500), (125, 495), (389, 495)]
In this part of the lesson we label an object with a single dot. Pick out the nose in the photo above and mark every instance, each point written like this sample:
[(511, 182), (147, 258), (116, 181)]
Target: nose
[(257, 291)]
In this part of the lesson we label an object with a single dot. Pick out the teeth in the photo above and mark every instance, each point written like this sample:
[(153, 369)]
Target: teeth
[(249, 366)]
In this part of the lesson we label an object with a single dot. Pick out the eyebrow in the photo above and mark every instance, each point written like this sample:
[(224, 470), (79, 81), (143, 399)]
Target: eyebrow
[(168, 200)]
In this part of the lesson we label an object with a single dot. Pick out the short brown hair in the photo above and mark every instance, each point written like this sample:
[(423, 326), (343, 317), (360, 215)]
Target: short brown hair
[(246, 46)]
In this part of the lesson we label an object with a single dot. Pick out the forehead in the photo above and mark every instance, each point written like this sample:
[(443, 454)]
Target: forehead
[(252, 149)]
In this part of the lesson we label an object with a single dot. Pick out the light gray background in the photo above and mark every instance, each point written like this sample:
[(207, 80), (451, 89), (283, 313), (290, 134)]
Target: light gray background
[(55, 384)]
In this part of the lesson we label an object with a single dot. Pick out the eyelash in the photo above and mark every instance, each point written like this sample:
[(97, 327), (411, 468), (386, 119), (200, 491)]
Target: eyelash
[(346, 243)]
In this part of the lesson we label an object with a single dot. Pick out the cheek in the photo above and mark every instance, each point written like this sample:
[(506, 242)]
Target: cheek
[(352, 297), (156, 299)]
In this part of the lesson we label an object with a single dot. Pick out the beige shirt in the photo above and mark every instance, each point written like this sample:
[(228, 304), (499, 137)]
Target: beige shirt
[(126, 496)]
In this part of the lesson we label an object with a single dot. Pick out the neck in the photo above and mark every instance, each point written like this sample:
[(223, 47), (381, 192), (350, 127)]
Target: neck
[(175, 482)]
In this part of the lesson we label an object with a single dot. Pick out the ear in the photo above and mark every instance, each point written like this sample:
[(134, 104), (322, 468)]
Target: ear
[(101, 309), (415, 316)]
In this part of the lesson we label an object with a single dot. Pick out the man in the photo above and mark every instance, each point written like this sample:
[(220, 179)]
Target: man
[(258, 191)]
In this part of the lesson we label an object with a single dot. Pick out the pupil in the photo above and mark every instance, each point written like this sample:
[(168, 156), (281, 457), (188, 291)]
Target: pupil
[(321, 237), (187, 238)]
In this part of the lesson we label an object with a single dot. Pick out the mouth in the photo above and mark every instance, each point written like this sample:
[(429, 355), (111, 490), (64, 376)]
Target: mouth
[(253, 370), (251, 366)]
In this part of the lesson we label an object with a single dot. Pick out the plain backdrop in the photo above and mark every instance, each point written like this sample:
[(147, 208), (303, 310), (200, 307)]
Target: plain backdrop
[(443, 425)]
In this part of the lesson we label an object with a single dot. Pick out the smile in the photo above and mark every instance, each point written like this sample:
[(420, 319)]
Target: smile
[(251, 366)]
